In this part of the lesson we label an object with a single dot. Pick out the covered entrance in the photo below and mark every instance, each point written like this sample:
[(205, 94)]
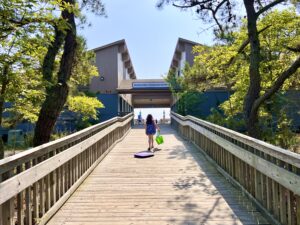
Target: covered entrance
[(147, 93)]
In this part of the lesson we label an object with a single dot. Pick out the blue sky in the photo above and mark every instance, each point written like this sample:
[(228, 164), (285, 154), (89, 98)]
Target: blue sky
[(151, 34)]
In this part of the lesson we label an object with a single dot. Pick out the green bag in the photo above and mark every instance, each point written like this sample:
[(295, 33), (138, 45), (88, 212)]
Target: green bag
[(159, 139)]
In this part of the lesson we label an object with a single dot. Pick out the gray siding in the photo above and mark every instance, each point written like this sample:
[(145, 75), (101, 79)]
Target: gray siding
[(189, 55), (107, 64)]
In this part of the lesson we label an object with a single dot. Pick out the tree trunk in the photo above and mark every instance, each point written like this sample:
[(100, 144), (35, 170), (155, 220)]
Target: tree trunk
[(251, 116), (57, 95), (53, 49)]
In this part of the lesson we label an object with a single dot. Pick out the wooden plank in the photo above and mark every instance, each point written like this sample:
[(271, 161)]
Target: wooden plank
[(275, 151), (30, 176), (20, 201), (20, 208), (42, 197), (282, 206), (286, 178), (35, 197), (11, 162), (297, 199), (69, 192), (28, 202), (7, 209), (178, 185), (47, 193), (269, 194)]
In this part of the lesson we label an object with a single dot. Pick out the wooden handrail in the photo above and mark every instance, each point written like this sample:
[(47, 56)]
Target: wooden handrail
[(40, 180), (269, 175), (275, 151), (12, 162)]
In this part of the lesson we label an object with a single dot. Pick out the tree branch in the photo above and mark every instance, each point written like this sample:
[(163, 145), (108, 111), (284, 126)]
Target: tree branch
[(219, 5), (278, 83), (294, 49), (267, 7), (244, 45)]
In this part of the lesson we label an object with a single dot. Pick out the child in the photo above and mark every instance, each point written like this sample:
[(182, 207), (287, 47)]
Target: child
[(150, 128)]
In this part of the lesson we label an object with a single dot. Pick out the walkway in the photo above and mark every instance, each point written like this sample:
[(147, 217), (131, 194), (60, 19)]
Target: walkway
[(176, 186)]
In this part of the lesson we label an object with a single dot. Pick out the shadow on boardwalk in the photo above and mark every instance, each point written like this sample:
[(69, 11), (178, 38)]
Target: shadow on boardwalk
[(177, 186), (244, 210)]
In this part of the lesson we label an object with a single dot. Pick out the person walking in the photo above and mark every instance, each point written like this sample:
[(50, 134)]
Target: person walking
[(150, 128)]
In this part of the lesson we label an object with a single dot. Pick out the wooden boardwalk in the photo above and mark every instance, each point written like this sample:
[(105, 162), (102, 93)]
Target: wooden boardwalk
[(176, 186)]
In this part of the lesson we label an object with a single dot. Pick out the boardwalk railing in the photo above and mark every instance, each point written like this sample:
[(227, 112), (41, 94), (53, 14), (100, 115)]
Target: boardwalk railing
[(267, 174), (34, 184)]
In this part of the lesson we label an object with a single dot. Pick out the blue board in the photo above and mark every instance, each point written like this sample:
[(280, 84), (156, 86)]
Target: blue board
[(144, 154)]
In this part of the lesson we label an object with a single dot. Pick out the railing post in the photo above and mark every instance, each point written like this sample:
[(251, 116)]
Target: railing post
[(7, 209)]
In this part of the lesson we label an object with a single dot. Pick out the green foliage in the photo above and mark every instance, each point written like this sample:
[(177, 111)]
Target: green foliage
[(84, 69), (85, 106), (233, 122), (186, 100), (223, 66), (23, 34), (27, 29)]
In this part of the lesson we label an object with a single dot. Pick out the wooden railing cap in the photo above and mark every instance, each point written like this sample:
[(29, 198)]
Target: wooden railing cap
[(275, 151), (21, 157)]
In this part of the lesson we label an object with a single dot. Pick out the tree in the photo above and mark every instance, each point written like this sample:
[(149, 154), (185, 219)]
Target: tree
[(186, 100), (211, 70), (221, 11), (81, 103), (26, 26), (23, 31), (58, 89)]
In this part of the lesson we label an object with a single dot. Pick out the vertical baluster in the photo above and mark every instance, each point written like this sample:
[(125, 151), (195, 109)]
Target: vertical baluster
[(47, 189), (290, 208), (80, 163), (275, 199), (282, 201), (67, 177), (269, 194), (7, 209), (42, 194), (74, 169), (35, 196), (20, 201), (62, 180), (28, 211), (53, 187), (58, 183), (53, 184), (297, 202), (71, 173), (77, 167), (297, 198)]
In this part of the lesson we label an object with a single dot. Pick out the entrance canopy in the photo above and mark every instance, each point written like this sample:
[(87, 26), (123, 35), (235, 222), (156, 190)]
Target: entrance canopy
[(147, 93)]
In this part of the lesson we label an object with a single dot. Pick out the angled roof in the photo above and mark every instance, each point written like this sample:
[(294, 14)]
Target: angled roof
[(120, 42), (179, 49), (124, 51)]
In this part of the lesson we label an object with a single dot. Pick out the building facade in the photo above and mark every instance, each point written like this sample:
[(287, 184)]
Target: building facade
[(114, 65)]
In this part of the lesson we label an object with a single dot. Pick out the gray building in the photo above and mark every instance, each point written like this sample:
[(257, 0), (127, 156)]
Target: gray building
[(183, 54), (114, 65)]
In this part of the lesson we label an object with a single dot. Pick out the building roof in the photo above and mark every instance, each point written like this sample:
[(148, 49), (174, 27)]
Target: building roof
[(179, 49), (122, 47), (120, 42)]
